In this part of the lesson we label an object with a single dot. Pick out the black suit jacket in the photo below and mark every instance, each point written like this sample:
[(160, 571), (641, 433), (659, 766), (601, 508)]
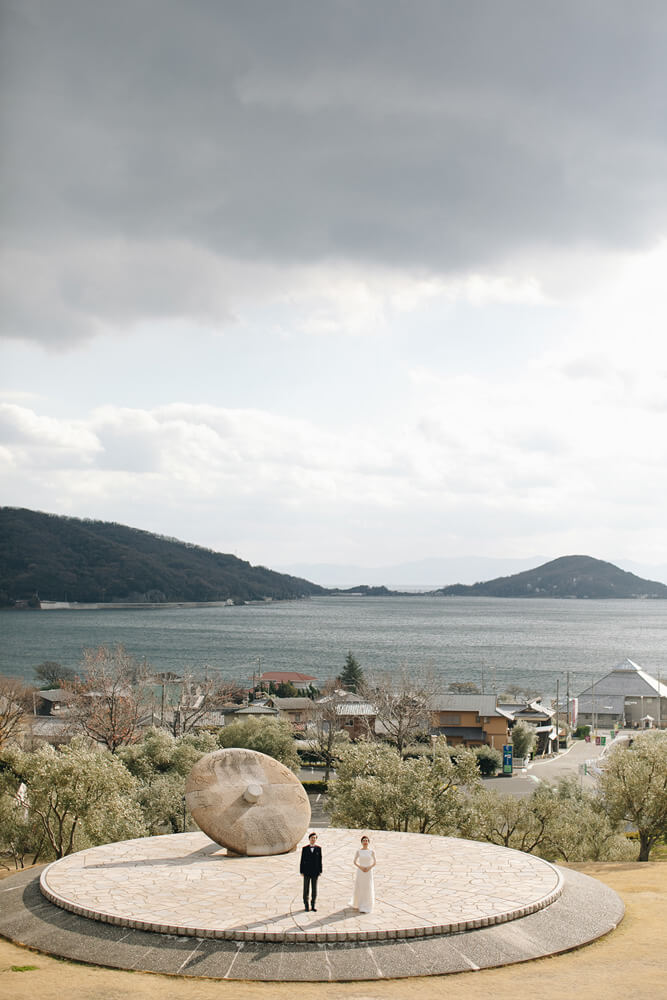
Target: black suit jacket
[(311, 860)]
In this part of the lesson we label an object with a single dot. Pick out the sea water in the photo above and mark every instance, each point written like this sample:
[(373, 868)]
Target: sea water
[(491, 641)]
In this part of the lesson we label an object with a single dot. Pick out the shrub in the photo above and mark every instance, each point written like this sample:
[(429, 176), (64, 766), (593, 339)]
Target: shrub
[(489, 760)]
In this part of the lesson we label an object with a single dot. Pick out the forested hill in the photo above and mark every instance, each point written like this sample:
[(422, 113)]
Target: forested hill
[(67, 559), (569, 576)]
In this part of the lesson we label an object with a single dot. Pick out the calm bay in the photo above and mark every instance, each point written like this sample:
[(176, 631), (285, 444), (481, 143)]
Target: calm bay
[(490, 640)]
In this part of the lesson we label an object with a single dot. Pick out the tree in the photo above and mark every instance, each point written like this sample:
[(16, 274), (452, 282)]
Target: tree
[(113, 698), (352, 676), (579, 829), (161, 763), (327, 735), (195, 698), (79, 796), (376, 787), (401, 701), (524, 738), (515, 692), (270, 736), (51, 674), (489, 760), (15, 702), (463, 687), (509, 822), (20, 832), (557, 822), (633, 786), (286, 690)]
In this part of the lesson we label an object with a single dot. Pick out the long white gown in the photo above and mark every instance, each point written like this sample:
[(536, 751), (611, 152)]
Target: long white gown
[(363, 897)]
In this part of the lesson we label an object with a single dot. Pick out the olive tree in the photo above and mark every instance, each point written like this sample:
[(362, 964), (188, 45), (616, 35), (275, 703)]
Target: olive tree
[(78, 795), (377, 788), (502, 819), (633, 787), (161, 764), (270, 736), (557, 822), (524, 738), (489, 760), (579, 829), (20, 832)]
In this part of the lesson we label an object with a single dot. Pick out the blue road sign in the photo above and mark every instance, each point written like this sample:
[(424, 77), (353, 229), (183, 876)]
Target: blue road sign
[(507, 758)]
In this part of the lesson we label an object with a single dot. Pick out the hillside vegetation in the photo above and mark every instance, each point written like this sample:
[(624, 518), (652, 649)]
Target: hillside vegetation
[(68, 559), (569, 576)]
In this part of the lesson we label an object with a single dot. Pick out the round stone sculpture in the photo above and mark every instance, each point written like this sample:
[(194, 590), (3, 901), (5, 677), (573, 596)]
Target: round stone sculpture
[(247, 802)]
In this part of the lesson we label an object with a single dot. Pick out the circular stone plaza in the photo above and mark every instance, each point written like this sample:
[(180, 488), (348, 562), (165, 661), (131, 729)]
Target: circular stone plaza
[(182, 905)]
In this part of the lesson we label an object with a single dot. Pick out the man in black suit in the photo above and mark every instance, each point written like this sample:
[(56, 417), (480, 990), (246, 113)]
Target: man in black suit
[(311, 869)]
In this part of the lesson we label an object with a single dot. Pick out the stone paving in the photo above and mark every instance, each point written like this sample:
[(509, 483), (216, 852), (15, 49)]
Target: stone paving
[(185, 884)]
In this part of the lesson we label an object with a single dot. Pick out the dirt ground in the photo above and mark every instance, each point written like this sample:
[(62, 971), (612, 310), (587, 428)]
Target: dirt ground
[(629, 963)]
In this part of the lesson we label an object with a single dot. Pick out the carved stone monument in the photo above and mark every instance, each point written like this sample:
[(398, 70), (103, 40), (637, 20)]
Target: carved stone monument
[(247, 802)]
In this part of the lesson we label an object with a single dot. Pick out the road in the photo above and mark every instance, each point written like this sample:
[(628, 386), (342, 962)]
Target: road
[(567, 764)]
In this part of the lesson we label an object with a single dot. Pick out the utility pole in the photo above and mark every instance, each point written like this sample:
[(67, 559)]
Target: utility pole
[(659, 702), (557, 719), (568, 701), (593, 704)]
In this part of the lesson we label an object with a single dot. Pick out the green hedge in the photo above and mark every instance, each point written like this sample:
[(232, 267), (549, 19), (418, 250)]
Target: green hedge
[(315, 786)]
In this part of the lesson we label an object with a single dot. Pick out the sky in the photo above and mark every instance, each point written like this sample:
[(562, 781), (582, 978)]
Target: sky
[(359, 282)]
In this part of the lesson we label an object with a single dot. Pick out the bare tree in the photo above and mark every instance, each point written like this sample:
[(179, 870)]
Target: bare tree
[(328, 734), (113, 698), (401, 700), (15, 701), (196, 698), (51, 674)]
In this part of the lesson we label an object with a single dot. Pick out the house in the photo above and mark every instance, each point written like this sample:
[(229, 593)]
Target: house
[(255, 711), (469, 720), (297, 711), (39, 729), (216, 718), (357, 718), (626, 696), (52, 702), (354, 715), (540, 718)]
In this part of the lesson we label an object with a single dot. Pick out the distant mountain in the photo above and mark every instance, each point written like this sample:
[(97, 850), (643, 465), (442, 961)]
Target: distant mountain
[(569, 576), (424, 574), (68, 559)]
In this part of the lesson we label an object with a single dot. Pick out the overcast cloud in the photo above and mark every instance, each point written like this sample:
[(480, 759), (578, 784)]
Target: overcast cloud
[(361, 281)]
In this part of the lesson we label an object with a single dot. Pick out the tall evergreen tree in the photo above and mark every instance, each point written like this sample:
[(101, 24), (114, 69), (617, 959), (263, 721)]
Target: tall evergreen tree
[(352, 676)]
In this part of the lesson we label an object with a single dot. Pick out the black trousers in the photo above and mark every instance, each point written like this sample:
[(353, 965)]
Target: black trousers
[(310, 880)]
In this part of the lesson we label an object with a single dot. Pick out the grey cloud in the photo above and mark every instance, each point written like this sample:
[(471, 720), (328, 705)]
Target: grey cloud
[(434, 136)]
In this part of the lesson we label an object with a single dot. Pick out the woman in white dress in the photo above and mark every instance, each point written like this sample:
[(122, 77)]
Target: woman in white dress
[(363, 897)]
